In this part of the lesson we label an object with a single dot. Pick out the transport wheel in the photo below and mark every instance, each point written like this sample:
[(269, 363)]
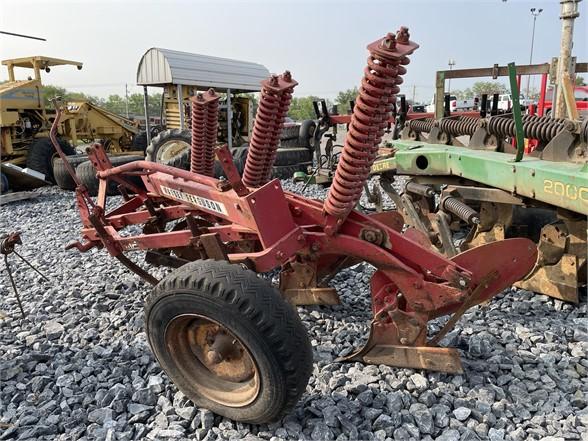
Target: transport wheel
[(60, 173), (87, 175), (229, 341), (41, 153), (167, 145)]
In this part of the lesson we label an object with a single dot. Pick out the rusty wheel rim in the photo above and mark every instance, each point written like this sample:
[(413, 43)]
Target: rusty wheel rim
[(170, 150), (212, 360)]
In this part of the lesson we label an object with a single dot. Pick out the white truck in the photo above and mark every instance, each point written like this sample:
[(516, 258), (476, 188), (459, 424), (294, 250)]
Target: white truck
[(505, 102), (456, 105)]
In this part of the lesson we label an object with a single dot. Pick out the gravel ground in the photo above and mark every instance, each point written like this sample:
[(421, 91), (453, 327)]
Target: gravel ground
[(79, 366)]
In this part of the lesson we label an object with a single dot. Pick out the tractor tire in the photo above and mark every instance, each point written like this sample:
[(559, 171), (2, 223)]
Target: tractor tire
[(292, 156), (290, 132), (60, 173), (287, 171), (167, 145), (87, 175), (140, 141), (229, 341), (182, 161), (4, 185), (306, 133), (41, 153)]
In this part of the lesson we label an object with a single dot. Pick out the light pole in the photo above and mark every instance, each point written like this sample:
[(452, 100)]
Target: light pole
[(535, 13), (451, 63)]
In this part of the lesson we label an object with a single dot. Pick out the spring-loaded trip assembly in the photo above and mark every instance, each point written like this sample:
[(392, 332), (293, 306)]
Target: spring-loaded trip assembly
[(542, 128), (204, 124), (377, 95), (421, 125), (462, 125), (276, 95)]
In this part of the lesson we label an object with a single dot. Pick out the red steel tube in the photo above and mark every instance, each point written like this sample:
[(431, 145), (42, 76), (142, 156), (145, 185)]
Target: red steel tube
[(377, 94)]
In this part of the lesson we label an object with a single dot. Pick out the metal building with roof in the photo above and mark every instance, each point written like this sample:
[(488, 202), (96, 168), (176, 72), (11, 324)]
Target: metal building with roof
[(181, 74), (159, 67)]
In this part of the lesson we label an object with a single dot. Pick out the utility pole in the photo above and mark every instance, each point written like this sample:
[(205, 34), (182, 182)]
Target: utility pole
[(451, 63), (535, 13), (569, 12), (127, 99), (413, 93)]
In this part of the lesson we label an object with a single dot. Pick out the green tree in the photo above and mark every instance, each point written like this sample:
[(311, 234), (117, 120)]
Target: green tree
[(489, 87), (344, 98), (580, 80), (50, 92), (301, 108), (463, 94)]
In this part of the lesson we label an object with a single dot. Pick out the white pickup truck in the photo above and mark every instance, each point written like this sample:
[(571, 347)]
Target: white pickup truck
[(505, 102), (456, 105)]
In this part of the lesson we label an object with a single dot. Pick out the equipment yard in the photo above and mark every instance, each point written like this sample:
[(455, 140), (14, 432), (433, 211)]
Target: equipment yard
[(80, 364), (236, 258)]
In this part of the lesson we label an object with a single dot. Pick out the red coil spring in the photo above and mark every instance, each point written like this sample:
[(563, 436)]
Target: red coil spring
[(204, 124), (276, 95), (368, 122)]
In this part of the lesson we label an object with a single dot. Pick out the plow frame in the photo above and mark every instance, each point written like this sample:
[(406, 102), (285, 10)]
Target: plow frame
[(411, 285)]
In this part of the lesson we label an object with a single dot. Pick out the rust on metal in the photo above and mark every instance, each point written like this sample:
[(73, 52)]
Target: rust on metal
[(257, 224)]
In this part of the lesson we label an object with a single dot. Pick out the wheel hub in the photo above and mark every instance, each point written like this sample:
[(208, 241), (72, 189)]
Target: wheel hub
[(170, 150), (213, 359)]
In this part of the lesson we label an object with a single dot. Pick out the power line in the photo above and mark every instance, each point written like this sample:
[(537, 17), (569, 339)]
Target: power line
[(23, 36)]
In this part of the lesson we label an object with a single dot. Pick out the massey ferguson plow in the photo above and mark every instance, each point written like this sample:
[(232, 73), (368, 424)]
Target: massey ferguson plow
[(226, 337)]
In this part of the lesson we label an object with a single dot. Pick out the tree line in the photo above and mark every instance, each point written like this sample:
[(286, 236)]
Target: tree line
[(301, 108), (114, 103)]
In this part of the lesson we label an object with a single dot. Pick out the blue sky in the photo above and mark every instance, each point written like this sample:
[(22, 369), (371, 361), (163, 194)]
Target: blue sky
[(321, 42)]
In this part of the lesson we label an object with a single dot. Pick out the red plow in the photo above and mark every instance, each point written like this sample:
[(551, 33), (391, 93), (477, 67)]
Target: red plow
[(227, 338)]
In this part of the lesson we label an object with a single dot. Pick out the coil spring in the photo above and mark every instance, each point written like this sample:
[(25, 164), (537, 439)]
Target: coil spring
[(285, 100), (461, 210), (463, 125), (204, 125), (421, 125), (377, 94), (537, 127), (276, 95)]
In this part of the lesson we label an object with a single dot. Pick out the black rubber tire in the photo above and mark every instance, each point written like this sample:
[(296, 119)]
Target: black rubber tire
[(4, 184), (181, 161), (163, 137), (254, 312), (286, 171), (290, 132), (306, 133), (140, 141), (60, 173), (87, 175), (292, 156), (40, 156)]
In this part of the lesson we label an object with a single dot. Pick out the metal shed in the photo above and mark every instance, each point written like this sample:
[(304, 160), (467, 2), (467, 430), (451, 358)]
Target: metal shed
[(184, 73), (160, 67)]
